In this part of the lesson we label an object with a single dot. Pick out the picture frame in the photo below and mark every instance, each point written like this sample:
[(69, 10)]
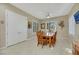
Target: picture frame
[(43, 26), (61, 24), (29, 24)]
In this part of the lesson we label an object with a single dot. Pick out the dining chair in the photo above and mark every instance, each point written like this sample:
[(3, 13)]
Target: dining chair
[(53, 39), (38, 38), (75, 48), (44, 40)]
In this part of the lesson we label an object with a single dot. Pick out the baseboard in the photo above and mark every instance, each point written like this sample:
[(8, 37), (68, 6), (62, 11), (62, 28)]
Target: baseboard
[(3, 48)]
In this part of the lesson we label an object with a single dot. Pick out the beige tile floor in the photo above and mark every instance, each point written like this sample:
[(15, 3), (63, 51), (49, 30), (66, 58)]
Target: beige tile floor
[(29, 47)]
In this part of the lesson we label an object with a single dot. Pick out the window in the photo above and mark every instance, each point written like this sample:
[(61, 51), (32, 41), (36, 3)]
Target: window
[(35, 26)]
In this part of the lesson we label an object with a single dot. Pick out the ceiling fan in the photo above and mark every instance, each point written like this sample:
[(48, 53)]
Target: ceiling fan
[(48, 15)]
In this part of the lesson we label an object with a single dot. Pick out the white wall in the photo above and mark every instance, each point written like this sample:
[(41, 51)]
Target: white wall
[(16, 28), (3, 7)]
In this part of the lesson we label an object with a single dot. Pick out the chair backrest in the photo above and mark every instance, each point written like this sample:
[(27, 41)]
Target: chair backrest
[(54, 36), (75, 49), (39, 34)]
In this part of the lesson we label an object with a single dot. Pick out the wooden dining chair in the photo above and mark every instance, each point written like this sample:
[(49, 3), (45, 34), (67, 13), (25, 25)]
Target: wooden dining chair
[(44, 40), (53, 39), (75, 48), (39, 38)]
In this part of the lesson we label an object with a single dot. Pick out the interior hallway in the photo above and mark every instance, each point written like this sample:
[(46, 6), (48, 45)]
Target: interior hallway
[(63, 42)]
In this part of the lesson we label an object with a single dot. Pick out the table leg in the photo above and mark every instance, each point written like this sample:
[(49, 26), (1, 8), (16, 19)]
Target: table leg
[(49, 41)]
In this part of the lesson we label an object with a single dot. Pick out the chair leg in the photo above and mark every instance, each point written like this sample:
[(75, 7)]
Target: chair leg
[(37, 43), (42, 44), (49, 43), (53, 45)]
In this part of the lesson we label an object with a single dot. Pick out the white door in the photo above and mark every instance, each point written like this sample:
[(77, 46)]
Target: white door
[(16, 28)]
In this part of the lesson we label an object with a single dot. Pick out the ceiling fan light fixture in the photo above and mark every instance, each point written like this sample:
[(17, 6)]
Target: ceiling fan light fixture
[(48, 15)]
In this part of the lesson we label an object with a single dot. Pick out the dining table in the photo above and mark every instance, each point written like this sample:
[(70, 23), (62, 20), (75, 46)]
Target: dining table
[(49, 36)]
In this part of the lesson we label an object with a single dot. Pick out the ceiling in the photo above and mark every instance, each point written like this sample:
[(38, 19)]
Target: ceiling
[(41, 10)]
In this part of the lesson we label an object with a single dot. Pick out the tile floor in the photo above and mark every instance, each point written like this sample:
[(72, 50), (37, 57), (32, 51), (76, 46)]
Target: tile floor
[(29, 47)]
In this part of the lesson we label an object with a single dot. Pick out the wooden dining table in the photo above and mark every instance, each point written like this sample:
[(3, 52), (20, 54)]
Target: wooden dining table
[(49, 36)]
